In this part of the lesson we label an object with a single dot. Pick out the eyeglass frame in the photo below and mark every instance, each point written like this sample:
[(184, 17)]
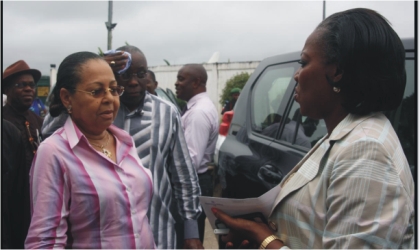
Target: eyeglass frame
[(134, 74), (25, 84), (92, 93)]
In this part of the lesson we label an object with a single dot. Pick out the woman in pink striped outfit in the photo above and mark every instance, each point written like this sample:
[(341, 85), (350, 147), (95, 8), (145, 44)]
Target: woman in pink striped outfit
[(89, 189)]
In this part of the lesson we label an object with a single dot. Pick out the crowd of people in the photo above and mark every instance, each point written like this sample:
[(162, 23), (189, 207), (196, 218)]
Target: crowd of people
[(112, 165), (110, 174)]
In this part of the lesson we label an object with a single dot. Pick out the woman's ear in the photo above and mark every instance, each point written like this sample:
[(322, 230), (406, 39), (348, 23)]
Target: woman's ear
[(65, 97)]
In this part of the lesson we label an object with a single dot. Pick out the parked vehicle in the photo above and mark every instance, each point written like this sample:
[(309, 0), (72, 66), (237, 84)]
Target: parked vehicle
[(265, 135), (168, 96)]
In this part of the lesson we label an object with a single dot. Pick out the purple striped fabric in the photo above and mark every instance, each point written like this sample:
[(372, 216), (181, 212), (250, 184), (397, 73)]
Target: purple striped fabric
[(81, 199)]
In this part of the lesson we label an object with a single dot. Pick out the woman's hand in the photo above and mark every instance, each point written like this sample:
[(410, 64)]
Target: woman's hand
[(242, 233), (117, 61)]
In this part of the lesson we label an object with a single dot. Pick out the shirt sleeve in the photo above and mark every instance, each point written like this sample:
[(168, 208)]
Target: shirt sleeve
[(184, 180), (49, 200), (367, 204), (197, 132)]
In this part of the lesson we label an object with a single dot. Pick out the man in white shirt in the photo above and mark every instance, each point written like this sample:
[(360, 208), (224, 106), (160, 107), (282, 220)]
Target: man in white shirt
[(200, 124)]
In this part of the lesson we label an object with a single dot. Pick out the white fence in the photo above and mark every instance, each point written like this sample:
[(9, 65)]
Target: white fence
[(218, 74)]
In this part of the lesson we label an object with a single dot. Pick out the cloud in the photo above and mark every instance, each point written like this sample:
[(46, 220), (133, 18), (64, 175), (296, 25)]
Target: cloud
[(44, 32)]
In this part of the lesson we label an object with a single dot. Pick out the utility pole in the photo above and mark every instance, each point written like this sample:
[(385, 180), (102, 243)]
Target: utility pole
[(323, 12), (109, 25)]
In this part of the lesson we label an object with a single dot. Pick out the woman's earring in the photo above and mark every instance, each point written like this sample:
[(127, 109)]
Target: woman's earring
[(336, 90), (69, 109)]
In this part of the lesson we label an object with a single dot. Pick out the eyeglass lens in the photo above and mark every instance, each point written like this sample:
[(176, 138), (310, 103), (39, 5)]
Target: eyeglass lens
[(22, 85), (115, 91), (127, 76)]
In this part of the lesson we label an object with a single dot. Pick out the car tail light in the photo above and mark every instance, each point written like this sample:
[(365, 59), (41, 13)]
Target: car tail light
[(224, 126)]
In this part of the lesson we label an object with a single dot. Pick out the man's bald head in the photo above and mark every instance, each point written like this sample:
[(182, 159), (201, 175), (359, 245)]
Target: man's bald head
[(198, 71), (130, 49), (191, 80)]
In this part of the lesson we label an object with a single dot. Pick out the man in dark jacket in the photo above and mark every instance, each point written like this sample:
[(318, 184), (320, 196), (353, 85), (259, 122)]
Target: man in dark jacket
[(19, 84), (15, 215)]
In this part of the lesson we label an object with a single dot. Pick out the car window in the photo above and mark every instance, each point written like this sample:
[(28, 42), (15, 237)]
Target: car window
[(403, 117), (300, 130), (267, 95), (180, 104), (304, 131), (161, 93)]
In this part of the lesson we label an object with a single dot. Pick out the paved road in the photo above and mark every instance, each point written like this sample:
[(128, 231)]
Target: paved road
[(210, 240)]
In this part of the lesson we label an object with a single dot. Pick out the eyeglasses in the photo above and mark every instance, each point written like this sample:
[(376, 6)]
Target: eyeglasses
[(114, 90), (127, 76), (22, 85)]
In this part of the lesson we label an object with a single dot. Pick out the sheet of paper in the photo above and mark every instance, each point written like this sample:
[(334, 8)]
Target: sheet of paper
[(234, 207)]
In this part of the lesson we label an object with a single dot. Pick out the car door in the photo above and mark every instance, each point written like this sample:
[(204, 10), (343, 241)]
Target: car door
[(257, 162), (164, 95)]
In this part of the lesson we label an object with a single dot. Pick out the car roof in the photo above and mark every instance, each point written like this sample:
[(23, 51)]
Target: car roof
[(408, 44), (293, 56)]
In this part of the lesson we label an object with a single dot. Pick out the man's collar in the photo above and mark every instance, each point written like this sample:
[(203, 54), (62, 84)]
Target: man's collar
[(139, 109), (195, 99)]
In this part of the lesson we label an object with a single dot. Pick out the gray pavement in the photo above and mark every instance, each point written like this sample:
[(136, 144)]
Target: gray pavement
[(210, 239)]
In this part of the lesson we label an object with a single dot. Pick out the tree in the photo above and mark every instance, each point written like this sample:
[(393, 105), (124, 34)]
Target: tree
[(237, 81)]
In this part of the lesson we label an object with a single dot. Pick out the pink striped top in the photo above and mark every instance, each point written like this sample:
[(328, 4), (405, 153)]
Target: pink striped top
[(81, 199)]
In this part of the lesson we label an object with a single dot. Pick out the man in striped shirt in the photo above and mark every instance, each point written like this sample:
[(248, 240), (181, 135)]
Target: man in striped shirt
[(155, 126)]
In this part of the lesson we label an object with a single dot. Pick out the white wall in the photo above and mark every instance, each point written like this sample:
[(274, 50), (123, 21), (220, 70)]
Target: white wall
[(218, 74)]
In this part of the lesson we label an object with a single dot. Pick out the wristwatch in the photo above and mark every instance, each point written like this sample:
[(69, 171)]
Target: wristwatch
[(268, 240)]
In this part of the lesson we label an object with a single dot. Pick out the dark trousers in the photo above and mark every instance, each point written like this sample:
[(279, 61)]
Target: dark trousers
[(205, 181)]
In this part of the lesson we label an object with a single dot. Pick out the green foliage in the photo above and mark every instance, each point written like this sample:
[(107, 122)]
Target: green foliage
[(237, 81), (127, 43), (167, 63), (100, 52), (181, 103)]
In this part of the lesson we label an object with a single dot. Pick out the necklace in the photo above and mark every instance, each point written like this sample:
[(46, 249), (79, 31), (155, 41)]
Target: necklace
[(31, 139), (104, 150)]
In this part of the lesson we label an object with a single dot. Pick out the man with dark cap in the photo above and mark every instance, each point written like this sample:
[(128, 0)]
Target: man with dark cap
[(19, 84), (230, 104), (200, 123)]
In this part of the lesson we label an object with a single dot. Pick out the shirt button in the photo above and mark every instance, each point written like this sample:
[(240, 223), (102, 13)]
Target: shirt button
[(133, 211), (136, 235)]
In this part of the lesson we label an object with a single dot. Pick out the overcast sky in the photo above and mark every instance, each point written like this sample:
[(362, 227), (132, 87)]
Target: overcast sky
[(45, 32)]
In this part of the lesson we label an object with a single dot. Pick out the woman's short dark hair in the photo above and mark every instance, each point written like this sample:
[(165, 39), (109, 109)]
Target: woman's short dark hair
[(371, 56), (68, 76)]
